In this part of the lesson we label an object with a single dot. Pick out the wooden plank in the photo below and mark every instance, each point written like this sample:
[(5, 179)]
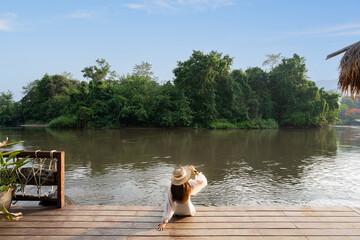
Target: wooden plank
[(145, 213), (40, 154), (176, 225), (311, 232), (134, 219), (188, 219), (305, 219), (327, 225), (178, 232), (157, 237), (36, 212), (34, 198), (61, 180), (125, 232), (103, 208), (218, 238), (293, 208), (19, 207), (321, 214), (199, 208), (333, 238), (357, 210)]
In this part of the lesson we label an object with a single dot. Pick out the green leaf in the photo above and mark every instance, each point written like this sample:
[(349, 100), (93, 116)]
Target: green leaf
[(9, 153), (4, 209), (22, 162), (7, 217), (10, 163), (13, 154)]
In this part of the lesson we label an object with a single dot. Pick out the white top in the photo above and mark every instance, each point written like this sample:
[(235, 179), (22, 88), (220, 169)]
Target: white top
[(187, 208)]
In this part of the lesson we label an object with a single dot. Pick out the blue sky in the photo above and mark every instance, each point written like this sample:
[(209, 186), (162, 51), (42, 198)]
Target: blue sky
[(38, 37)]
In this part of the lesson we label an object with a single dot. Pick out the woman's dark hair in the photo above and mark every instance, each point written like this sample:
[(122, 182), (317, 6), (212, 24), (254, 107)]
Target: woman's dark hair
[(181, 193)]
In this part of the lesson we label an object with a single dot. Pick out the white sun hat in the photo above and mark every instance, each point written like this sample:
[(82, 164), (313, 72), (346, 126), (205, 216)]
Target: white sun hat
[(180, 175)]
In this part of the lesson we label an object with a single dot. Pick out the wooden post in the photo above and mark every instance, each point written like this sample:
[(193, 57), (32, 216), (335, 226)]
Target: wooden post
[(61, 181), (340, 51)]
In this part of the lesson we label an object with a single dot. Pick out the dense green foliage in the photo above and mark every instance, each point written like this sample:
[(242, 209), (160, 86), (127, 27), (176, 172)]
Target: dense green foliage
[(346, 104), (7, 113), (205, 93), (297, 101), (46, 99)]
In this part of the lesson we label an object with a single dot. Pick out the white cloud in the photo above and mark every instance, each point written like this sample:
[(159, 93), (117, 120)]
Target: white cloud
[(165, 4), (206, 3), (152, 6), (337, 30), (10, 15), (5, 25), (7, 21), (350, 33), (135, 6), (81, 14)]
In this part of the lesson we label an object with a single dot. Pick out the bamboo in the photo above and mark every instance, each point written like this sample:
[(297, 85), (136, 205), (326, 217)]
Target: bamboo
[(340, 51)]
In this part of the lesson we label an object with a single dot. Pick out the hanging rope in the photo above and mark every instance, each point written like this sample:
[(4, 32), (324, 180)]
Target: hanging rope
[(37, 174)]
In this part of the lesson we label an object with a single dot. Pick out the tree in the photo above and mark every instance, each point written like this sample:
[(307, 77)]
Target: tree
[(298, 101), (284, 81), (97, 73), (204, 93), (6, 99), (6, 108), (137, 96), (47, 98), (241, 93), (200, 78), (273, 60), (170, 108), (260, 97), (144, 70)]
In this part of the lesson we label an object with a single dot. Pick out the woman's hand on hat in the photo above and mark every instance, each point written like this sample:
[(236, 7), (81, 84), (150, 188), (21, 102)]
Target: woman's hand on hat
[(191, 168), (161, 226)]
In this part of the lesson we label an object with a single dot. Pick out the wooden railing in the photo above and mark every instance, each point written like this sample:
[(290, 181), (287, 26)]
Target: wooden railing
[(58, 181)]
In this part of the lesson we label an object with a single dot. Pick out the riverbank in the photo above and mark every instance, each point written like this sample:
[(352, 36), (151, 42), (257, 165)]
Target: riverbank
[(32, 125)]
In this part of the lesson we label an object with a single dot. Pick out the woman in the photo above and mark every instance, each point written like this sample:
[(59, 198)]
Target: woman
[(178, 197)]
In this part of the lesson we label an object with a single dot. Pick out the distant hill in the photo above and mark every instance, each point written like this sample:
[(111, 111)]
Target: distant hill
[(328, 84)]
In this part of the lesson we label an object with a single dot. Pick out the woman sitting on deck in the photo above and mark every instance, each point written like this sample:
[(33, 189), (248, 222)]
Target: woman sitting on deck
[(178, 197)]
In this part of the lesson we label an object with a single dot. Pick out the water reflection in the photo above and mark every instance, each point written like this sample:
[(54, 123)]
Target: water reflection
[(243, 167)]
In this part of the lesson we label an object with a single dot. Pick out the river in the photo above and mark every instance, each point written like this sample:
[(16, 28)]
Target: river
[(307, 167)]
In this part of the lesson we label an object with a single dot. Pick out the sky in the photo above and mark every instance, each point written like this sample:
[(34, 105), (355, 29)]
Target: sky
[(53, 37)]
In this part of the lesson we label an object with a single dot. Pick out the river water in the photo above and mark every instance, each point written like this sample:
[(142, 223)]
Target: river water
[(307, 167)]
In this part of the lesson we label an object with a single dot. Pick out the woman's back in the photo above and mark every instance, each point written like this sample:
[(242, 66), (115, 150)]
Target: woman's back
[(178, 197)]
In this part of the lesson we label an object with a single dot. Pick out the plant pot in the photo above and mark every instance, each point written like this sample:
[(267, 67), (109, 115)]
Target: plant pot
[(6, 198)]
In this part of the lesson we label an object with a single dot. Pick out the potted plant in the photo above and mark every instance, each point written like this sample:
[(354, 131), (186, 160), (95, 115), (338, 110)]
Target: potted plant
[(8, 177)]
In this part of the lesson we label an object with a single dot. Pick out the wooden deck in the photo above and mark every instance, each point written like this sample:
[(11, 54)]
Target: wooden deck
[(139, 222)]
